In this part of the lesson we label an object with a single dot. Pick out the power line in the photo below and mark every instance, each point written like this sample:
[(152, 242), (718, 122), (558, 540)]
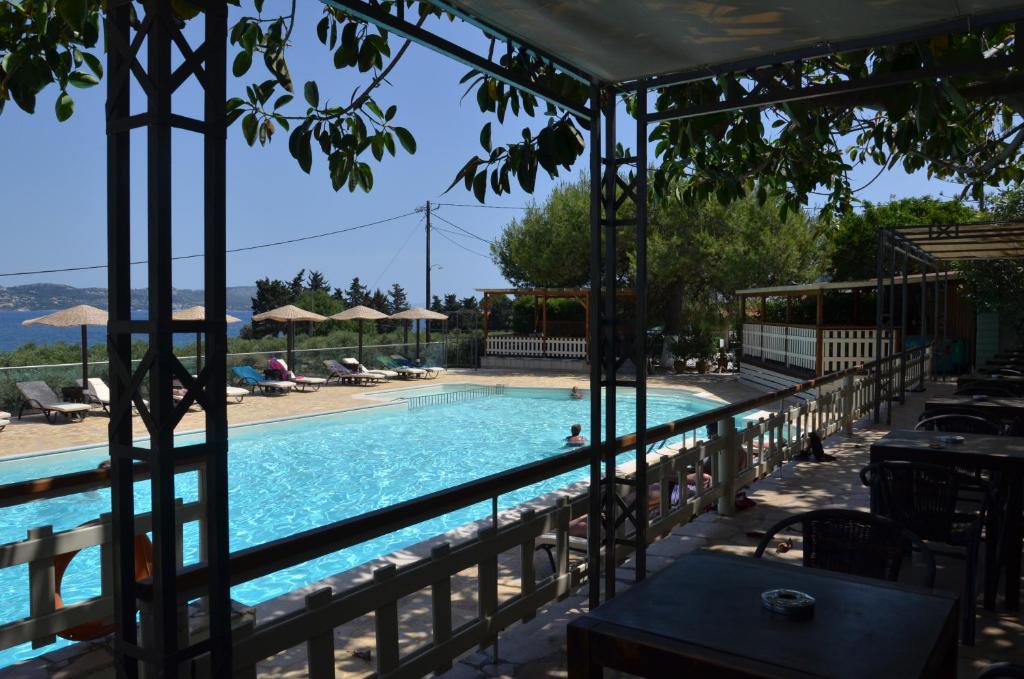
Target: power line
[(247, 248), (465, 231), (455, 242), (397, 252), (486, 207)]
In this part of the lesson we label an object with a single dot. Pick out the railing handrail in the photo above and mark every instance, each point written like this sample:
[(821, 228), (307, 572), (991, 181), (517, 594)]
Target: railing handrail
[(253, 562), (258, 560)]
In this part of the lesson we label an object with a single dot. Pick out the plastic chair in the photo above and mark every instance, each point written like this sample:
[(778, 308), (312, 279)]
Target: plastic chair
[(930, 501), (956, 422), (853, 542)]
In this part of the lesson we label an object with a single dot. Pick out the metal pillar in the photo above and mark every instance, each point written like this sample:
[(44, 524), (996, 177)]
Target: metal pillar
[(616, 519), (903, 328), (156, 31), (891, 327), (879, 304)]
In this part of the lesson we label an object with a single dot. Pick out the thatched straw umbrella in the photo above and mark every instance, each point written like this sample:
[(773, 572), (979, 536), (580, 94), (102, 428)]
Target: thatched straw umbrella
[(359, 313), (198, 313), (82, 315), (290, 314), (418, 314)]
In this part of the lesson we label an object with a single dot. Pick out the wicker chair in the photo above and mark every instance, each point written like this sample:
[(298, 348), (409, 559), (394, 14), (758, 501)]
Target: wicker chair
[(930, 501), (962, 424), (858, 543)]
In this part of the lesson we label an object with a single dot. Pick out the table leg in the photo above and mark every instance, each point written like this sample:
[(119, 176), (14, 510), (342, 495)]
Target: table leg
[(1013, 542), (580, 660), (994, 536)]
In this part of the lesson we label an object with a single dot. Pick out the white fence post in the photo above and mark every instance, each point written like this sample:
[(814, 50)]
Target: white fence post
[(848, 405)]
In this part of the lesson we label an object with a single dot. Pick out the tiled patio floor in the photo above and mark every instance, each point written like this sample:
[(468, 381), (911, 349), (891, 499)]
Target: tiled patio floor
[(537, 649)]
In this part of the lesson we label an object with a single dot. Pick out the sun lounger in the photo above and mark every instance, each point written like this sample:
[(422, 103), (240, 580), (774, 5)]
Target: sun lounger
[(432, 370), (344, 374), (5, 419), (37, 395), (403, 371), (252, 380), (236, 393), (355, 366), (278, 367), (97, 392)]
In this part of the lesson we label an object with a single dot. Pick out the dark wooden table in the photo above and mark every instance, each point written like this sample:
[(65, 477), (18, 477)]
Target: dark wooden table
[(1004, 409), (1001, 455), (702, 617), (1007, 382)]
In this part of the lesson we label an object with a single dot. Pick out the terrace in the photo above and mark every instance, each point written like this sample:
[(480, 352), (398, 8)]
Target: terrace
[(179, 619)]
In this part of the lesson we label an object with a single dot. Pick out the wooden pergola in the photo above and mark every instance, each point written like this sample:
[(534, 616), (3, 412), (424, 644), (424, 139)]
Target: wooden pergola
[(541, 297)]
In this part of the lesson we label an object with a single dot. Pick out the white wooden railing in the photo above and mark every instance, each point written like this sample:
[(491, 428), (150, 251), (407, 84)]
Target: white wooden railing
[(790, 345), (733, 459), (843, 348), (522, 345)]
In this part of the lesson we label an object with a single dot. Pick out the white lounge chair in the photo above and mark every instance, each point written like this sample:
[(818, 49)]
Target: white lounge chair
[(301, 381), (404, 372), (346, 374), (37, 395), (355, 366), (252, 380), (5, 419), (432, 370)]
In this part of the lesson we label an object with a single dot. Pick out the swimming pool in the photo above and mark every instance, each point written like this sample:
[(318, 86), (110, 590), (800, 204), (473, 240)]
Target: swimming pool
[(293, 475)]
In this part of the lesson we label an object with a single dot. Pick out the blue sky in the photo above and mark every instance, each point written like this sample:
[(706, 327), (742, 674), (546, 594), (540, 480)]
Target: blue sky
[(53, 187)]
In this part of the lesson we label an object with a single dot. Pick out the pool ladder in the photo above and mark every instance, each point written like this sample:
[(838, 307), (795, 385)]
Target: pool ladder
[(446, 397)]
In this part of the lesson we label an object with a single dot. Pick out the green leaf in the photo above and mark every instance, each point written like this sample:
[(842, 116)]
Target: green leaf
[(233, 103), (312, 93), (406, 139), (240, 66), (249, 128), (390, 113), (64, 106), (480, 185), (282, 100), (73, 12), (83, 80), (485, 137), (94, 64), (321, 29), (233, 115)]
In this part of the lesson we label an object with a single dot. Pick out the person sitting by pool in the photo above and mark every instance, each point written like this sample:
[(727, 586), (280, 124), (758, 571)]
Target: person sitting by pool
[(575, 438), (575, 393)]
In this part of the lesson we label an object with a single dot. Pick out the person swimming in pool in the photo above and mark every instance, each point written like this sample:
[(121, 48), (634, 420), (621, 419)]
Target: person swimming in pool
[(575, 438), (575, 393)]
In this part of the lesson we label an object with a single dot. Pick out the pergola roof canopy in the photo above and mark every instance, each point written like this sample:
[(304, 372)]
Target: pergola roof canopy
[(618, 42), (801, 289), (973, 241)]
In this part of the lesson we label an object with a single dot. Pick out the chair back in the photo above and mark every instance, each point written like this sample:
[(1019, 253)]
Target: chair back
[(247, 374), (927, 499), (958, 423), (976, 389), (853, 542), (39, 392)]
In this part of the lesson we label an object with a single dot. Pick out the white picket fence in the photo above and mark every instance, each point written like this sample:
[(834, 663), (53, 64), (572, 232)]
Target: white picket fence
[(521, 345), (790, 345), (847, 347)]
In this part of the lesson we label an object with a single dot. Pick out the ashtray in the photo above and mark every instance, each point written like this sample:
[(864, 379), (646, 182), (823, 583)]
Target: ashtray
[(788, 602)]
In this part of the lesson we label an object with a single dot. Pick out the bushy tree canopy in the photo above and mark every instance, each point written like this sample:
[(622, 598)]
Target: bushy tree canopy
[(954, 127)]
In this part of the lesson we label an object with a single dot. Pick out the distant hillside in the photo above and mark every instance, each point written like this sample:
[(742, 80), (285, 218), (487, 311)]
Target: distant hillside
[(43, 296)]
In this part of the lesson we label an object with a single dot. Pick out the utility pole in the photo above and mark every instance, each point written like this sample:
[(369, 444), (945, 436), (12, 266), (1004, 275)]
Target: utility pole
[(427, 305)]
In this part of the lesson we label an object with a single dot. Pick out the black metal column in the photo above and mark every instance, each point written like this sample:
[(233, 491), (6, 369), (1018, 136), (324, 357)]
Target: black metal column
[(594, 351), (640, 336), (119, 350), (891, 328), (903, 326), (610, 346), (879, 313), (163, 648)]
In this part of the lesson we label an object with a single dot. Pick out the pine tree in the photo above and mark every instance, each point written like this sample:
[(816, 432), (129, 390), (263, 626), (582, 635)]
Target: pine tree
[(317, 282), (378, 301), (357, 293), (297, 285), (435, 304), (451, 304), (397, 300)]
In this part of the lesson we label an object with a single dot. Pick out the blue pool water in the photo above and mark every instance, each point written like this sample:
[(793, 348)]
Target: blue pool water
[(289, 476)]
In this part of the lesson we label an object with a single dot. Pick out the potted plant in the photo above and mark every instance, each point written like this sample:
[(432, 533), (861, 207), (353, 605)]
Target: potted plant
[(697, 344)]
